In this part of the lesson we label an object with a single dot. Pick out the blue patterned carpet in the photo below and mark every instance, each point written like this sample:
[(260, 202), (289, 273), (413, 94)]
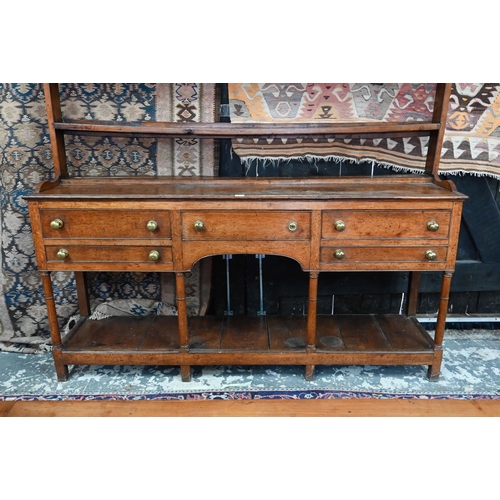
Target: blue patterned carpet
[(471, 370)]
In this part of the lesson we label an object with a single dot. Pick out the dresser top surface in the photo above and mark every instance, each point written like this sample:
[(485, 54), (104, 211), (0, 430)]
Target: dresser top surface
[(263, 188)]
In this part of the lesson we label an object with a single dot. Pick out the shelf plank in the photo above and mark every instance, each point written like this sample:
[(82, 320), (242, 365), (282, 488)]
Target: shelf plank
[(205, 332), (124, 333), (287, 332), (83, 334), (241, 332), (235, 130), (163, 334), (112, 334), (402, 333), (361, 333), (328, 336)]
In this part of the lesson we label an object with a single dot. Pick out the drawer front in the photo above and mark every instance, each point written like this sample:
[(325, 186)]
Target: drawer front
[(112, 256), (245, 226), (105, 224), (340, 255), (354, 224)]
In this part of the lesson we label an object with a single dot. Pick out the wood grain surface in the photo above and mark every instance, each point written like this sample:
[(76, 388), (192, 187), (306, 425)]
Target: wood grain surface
[(103, 227), (252, 408)]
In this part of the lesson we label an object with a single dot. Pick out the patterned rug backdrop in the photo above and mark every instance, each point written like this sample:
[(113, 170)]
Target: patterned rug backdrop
[(26, 160), (471, 144)]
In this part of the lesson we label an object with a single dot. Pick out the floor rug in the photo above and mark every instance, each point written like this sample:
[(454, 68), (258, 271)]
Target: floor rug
[(471, 370)]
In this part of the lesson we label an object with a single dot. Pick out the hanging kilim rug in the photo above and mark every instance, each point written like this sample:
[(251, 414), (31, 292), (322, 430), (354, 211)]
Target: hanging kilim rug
[(471, 144)]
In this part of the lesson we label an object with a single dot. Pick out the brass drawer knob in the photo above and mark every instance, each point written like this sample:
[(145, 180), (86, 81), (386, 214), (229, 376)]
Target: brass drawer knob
[(199, 225), (433, 226), (339, 254), (339, 225), (154, 255), (62, 254), (430, 255), (56, 224), (293, 226), (152, 225)]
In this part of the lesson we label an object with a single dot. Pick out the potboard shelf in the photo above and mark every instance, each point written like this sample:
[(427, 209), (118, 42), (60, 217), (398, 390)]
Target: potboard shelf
[(152, 340)]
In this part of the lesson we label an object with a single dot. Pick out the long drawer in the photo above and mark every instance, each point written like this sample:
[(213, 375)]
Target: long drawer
[(405, 224), (243, 226), (105, 224), (383, 257), (76, 257)]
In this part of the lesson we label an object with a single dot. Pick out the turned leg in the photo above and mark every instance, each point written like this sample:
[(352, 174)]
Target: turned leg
[(311, 322), (61, 368), (183, 323), (435, 368)]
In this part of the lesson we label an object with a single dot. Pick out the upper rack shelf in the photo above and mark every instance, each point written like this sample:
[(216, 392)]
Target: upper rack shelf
[(58, 128), (235, 130)]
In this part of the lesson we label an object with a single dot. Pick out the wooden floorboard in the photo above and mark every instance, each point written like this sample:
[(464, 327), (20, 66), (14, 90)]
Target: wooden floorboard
[(5, 407), (302, 408)]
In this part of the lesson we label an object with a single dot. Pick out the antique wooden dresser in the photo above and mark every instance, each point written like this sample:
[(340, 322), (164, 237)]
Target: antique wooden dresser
[(326, 224)]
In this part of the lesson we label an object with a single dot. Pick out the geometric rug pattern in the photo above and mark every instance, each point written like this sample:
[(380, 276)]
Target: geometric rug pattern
[(471, 144)]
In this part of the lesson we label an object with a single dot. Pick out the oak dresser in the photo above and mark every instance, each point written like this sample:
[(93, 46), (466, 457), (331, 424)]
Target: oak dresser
[(396, 223)]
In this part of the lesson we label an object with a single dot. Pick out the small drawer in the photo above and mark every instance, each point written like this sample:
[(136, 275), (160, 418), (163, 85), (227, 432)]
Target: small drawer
[(354, 224), (245, 226), (105, 224), (340, 255), (72, 256)]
